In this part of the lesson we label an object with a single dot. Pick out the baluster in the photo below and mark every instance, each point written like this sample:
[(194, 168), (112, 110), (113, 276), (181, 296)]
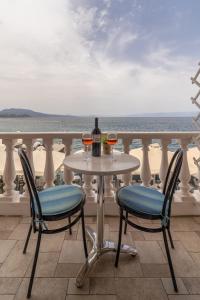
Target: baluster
[(9, 170), (49, 166), (108, 187), (68, 175), (29, 151), (164, 162), (185, 172), (127, 142), (88, 188), (145, 170)]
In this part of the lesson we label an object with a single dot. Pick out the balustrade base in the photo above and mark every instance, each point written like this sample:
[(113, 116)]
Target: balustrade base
[(20, 206)]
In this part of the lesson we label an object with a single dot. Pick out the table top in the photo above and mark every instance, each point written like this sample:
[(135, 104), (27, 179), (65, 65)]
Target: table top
[(104, 165)]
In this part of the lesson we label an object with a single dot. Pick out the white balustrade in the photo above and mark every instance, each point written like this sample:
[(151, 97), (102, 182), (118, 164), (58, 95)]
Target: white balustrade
[(68, 174), (127, 142), (88, 187), (9, 170), (185, 173), (108, 188), (164, 162), (49, 166), (29, 150), (145, 170), (12, 203)]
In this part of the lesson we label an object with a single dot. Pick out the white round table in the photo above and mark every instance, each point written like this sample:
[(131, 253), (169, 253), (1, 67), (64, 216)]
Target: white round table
[(100, 166)]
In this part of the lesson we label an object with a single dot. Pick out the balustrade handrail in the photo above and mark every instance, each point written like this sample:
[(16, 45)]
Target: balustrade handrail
[(121, 134)]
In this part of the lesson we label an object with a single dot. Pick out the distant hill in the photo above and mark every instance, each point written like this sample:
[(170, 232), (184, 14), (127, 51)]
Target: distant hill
[(23, 113), (28, 113)]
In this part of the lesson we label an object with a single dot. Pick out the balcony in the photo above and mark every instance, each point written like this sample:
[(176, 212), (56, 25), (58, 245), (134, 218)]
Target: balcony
[(145, 276), (14, 203)]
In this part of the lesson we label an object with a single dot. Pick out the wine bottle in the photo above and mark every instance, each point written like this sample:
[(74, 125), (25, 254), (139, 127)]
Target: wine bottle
[(96, 135)]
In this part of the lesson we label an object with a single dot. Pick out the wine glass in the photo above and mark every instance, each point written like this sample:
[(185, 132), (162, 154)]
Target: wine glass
[(112, 140), (87, 141)]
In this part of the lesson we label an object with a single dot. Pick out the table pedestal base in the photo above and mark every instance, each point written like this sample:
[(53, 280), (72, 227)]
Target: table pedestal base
[(96, 252)]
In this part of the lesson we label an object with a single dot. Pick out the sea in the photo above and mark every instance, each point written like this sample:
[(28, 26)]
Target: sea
[(69, 123)]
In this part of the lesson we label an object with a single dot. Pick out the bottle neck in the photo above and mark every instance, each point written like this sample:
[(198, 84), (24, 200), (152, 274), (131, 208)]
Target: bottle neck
[(96, 122)]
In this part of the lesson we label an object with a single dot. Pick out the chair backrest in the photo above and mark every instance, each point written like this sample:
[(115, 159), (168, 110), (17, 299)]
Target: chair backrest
[(171, 180), (28, 173)]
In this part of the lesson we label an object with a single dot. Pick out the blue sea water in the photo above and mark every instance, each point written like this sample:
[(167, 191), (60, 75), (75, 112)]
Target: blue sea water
[(149, 124), (105, 123)]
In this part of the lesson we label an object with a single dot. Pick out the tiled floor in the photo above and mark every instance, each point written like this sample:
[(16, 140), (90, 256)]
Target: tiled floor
[(144, 277)]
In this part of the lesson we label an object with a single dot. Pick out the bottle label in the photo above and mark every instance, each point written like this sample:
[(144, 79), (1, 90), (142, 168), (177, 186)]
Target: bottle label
[(96, 138)]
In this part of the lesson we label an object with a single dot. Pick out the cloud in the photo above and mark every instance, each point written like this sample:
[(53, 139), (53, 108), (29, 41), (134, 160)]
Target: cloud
[(53, 59)]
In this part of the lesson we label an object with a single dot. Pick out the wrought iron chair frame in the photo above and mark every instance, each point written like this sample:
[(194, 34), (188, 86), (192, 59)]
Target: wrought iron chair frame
[(38, 219), (168, 191)]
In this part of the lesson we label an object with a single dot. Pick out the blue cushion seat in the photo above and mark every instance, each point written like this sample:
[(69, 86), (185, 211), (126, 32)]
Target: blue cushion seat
[(60, 199), (141, 199)]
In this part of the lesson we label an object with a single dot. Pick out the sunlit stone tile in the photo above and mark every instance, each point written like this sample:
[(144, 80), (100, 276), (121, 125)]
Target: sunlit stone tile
[(150, 252), (46, 265), (190, 240), (9, 285), (72, 252), (192, 285), (155, 270), (72, 289), (5, 248), (168, 285), (44, 289), (102, 285), (140, 289), (67, 270)]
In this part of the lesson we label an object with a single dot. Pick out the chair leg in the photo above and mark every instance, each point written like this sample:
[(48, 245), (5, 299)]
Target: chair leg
[(83, 233), (27, 239), (169, 260), (170, 238), (70, 229), (35, 262), (125, 227), (119, 238)]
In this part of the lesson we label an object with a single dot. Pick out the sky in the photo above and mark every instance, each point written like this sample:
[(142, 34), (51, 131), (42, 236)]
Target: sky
[(106, 57)]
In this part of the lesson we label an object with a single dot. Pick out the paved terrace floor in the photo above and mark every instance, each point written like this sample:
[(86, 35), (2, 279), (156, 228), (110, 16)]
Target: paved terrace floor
[(145, 276)]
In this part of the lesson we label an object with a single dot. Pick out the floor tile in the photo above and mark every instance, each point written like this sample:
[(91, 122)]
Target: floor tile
[(183, 297), (44, 289), (4, 234), (102, 286), (137, 236), (20, 232), (67, 270), (9, 286), (140, 289), (104, 267), (5, 248), (46, 265), (52, 243), (192, 285), (6, 297), (155, 270), (128, 266), (150, 252), (16, 263), (183, 263), (73, 290), (169, 288), (196, 257), (91, 297), (190, 240), (184, 224), (9, 223), (72, 252)]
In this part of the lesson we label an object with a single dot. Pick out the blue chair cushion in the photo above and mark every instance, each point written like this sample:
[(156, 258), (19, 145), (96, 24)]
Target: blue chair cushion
[(141, 199), (60, 199)]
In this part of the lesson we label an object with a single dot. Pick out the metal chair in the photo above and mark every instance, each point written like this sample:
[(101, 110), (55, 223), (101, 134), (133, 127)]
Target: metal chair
[(147, 203), (52, 204)]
